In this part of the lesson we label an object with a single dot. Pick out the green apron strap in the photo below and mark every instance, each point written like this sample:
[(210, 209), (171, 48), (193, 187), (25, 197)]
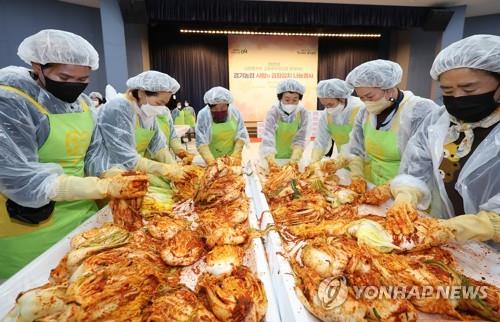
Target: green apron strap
[(27, 97)]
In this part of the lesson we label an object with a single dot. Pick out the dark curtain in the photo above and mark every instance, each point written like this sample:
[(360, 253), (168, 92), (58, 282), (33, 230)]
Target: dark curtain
[(337, 57), (266, 13), (197, 62)]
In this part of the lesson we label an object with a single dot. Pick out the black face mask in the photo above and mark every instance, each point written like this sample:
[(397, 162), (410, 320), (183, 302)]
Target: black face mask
[(472, 108), (65, 91)]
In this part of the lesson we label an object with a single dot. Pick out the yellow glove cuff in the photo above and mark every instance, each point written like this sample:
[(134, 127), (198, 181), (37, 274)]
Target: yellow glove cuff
[(151, 167), (296, 153), (176, 145), (70, 188), (206, 154), (482, 227), (356, 165), (164, 156), (494, 218), (238, 146), (317, 154)]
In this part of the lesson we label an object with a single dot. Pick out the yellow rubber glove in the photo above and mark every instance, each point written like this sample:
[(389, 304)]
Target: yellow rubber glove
[(206, 154), (342, 161), (356, 165), (238, 148), (164, 156), (187, 158), (173, 171), (317, 154), (296, 153), (176, 146), (406, 194), (69, 188), (403, 213), (112, 172), (482, 227)]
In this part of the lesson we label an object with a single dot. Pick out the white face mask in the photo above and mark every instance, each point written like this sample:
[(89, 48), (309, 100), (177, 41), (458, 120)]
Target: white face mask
[(289, 108), (378, 106), (152, 110), (335, 110), (186, 104)]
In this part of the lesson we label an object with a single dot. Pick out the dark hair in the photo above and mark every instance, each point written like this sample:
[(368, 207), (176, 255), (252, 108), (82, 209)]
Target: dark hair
[(280, 95), (48, 65), (135, 93), (213, 105), (496, 75)]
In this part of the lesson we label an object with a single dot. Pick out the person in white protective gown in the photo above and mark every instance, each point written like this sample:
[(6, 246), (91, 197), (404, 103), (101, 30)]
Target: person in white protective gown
[(390, 118), (452, 163), (285, 126), (336, 120), (220, 129)]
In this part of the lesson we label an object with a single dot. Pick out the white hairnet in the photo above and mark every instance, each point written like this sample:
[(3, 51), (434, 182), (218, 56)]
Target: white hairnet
[(218, 95), (58, 47), (376, 73), (334, 88), (154, 81), (478, 51), (95, 95), (290, 85)]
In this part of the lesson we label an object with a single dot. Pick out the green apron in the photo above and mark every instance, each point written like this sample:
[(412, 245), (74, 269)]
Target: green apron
[(382, 149), (340, 133), (285, 133), (69, 138), (185, 118), (142, 137), (189, 119), (164, 126), (180, 118), (223, 138)]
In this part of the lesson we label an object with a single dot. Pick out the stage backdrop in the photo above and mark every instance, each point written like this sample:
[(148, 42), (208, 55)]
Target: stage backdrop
[(258, 63)]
